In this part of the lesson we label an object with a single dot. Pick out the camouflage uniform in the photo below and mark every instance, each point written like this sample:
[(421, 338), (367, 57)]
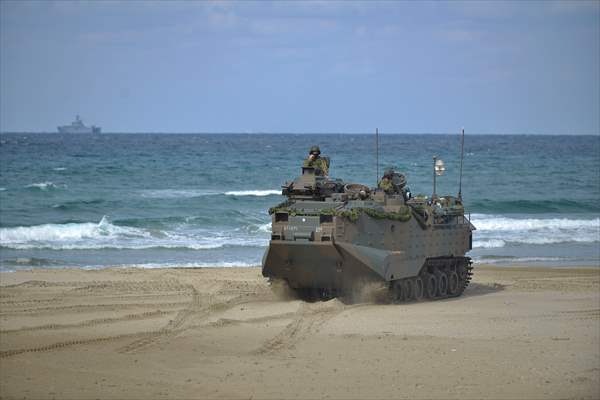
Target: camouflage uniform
[(321, 165), (318, 163), (386, 184)]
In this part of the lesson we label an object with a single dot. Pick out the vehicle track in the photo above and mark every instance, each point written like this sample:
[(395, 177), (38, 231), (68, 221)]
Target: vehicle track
[(18, 303), (69, 343), (109, 290), (215, 298), (195, 310), (91, 307), (91, 322), (230, 321), (307, 322), (172, 325), (92, 285)]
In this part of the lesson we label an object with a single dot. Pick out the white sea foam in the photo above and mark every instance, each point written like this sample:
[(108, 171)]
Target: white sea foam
[(66, 235), (259, 193), (2, 189), (45, 186), (492, 232), (105, 235), (265, 228), (525, 260), (494, 223), (487, 244), (59, 169), (228, 264), (219, 264), (177, 193), (188, 193), (498, 231)]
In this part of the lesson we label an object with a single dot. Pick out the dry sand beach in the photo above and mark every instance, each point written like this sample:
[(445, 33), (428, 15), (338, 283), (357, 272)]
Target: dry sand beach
[(222, 333)]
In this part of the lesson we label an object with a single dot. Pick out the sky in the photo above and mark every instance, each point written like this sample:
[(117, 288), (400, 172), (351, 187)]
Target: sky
[(303, 66)]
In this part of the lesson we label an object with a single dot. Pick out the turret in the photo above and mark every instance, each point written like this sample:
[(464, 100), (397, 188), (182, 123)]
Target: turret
[(312, 186)]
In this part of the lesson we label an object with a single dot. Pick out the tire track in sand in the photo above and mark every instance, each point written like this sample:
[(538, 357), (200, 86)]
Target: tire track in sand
[(142, 339), (307, 322), (91, 307), (110, 291), (192, 307), (86, 291), (175, 326), (69, 343), (89, 323)]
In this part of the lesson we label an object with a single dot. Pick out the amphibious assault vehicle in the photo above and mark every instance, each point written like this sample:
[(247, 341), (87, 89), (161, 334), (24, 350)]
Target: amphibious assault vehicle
[(329, 238)]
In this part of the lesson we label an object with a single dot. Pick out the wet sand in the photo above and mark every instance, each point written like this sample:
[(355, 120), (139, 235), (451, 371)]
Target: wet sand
[(222, 333)]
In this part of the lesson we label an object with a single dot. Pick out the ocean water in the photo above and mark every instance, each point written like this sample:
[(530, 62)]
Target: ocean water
[(153, 200)]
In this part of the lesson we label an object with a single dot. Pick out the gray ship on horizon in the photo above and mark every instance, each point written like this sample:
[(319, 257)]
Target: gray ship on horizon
[(78, 126)]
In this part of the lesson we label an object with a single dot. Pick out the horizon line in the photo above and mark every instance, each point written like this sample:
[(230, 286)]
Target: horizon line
[(294, 133)]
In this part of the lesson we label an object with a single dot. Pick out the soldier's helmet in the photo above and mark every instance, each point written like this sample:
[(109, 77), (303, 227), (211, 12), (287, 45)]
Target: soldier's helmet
[(388, 173), (315, 150)]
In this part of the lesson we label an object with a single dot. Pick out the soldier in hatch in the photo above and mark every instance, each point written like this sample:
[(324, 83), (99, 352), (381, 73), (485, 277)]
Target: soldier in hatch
[(386, 183), (314, 160), (395, 183)]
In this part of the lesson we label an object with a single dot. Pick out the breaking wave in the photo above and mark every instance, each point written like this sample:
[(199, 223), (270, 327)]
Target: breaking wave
[(45, 186), (189, 193), (12, 265), (535, 206), (105, 235), (498, 231), (524, 260), (488, 244), (259, 193), (228, 264)]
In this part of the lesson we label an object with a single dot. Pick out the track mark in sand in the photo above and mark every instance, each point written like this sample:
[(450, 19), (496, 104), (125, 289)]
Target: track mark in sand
[(174, 324), (199, 308), (92, 307), (91, 322), (229, 321), (69, 343), (594, 311), (15, 303), (583, 314), (307, 322), (170, 284), (121, 294)]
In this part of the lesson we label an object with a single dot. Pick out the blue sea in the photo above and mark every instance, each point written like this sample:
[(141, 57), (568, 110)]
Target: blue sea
[(154, 200)]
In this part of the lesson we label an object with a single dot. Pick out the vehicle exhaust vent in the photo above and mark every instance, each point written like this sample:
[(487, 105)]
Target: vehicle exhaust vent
[(275, 237)]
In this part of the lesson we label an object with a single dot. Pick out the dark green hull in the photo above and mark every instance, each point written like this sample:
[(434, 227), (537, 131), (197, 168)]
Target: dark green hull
[(316, 266)]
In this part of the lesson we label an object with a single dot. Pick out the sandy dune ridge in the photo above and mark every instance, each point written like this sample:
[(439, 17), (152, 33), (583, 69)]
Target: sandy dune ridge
[(223, 333)]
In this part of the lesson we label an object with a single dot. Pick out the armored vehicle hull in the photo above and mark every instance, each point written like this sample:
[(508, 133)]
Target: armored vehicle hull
[(331, 242)]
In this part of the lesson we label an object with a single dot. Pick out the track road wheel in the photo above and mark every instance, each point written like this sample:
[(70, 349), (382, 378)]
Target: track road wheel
[(418, 288), (408, 288), (430, 284), (442, 284), (325, 294), (398, 291), (453, 283)]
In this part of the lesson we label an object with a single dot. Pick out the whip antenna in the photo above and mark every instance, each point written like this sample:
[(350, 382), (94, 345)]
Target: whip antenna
[(462, 153), (377, 156)]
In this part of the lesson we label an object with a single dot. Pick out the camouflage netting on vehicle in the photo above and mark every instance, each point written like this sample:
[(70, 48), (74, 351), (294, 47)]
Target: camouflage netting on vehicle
[(281, 207), (403, 215)]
